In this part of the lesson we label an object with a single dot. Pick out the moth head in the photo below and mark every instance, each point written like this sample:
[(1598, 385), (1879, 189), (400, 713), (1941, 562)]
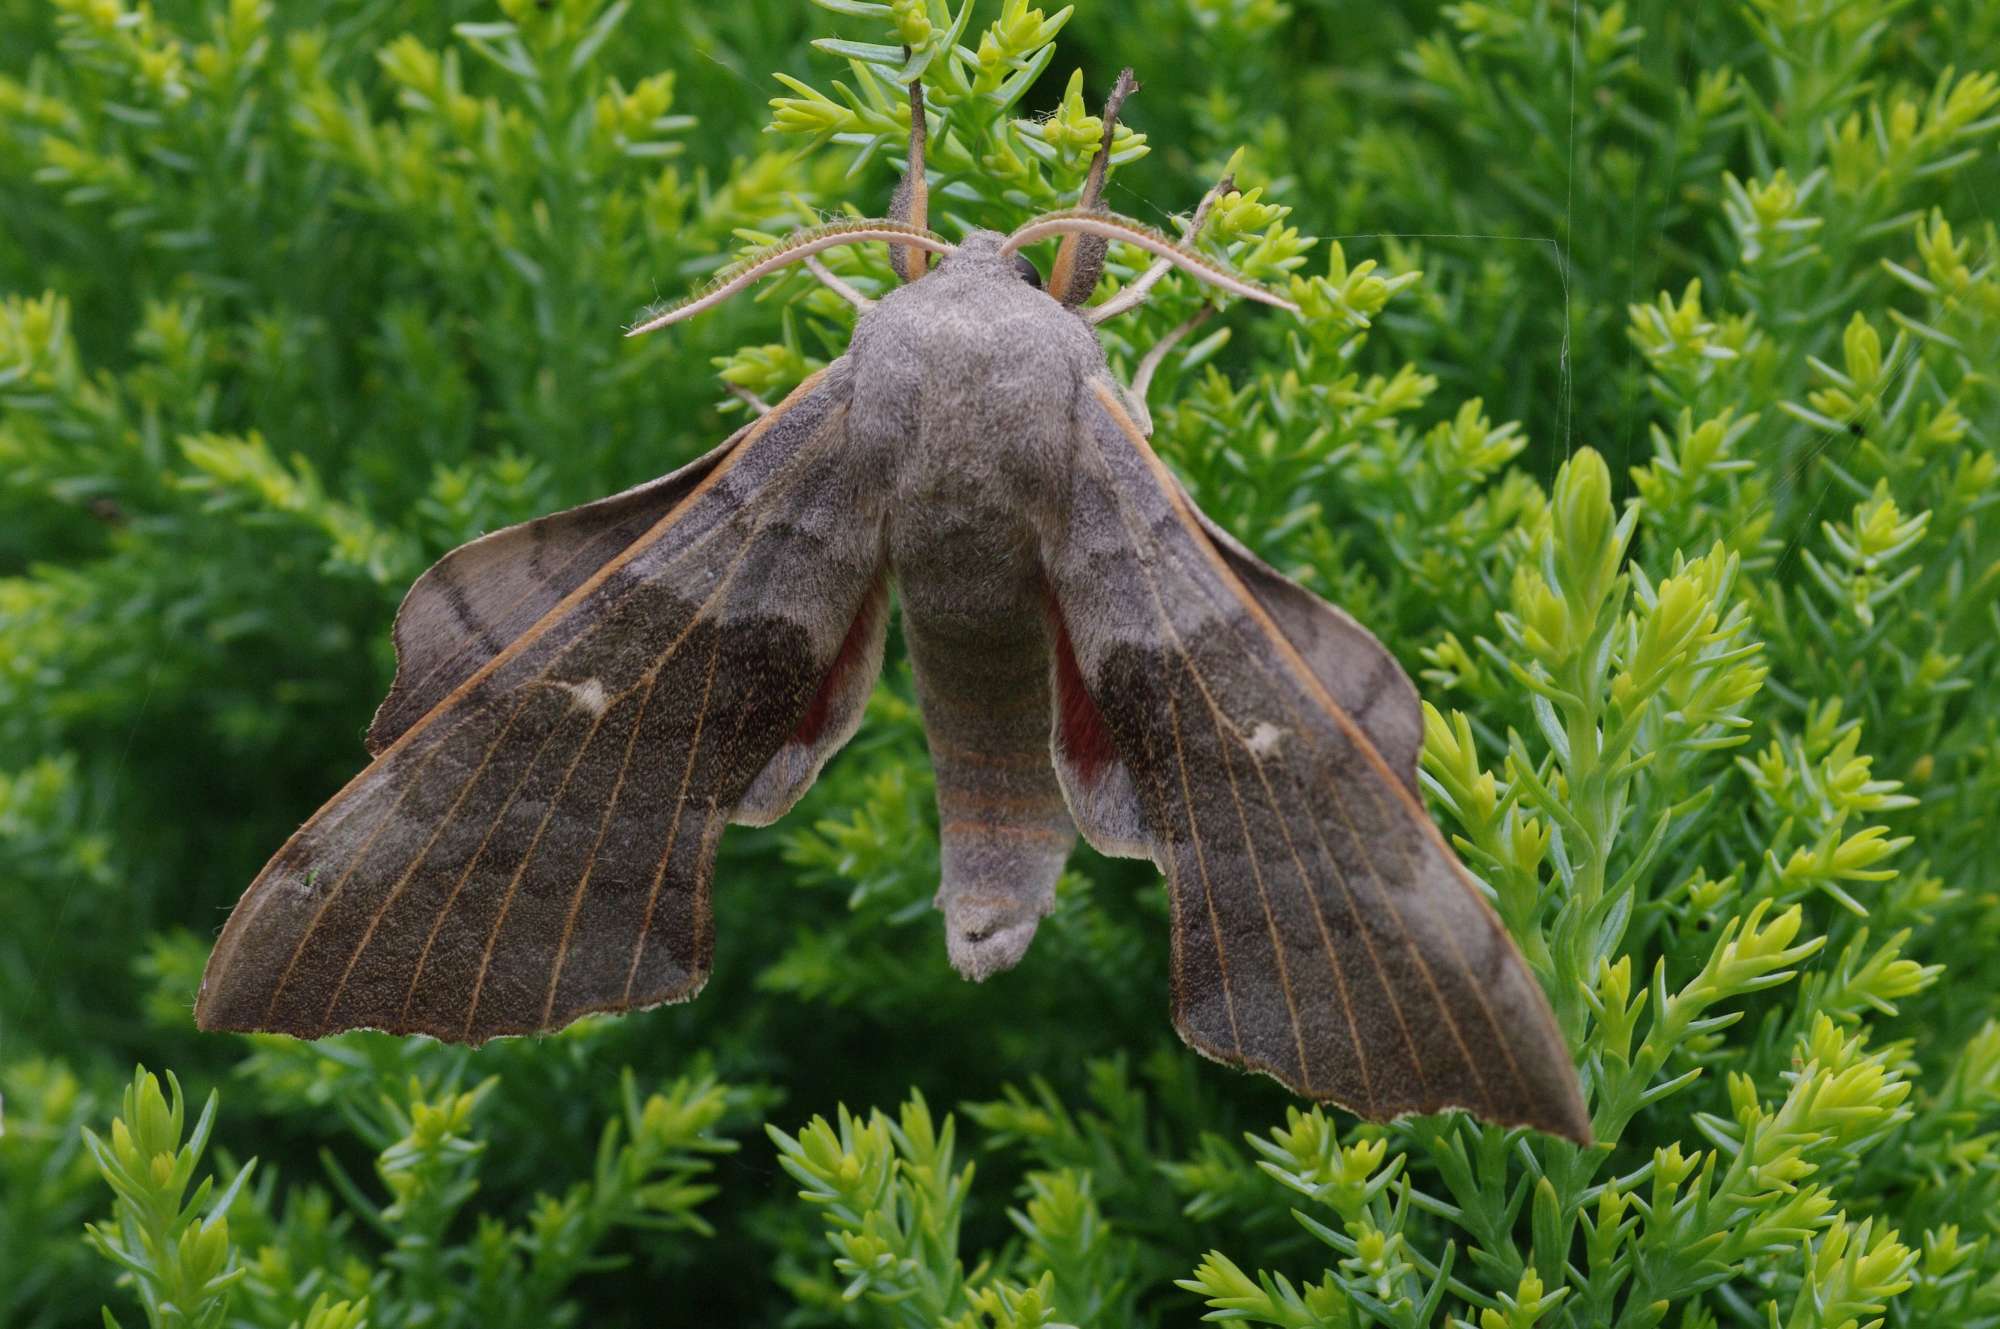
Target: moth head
[(1111, 226), (794, 248)]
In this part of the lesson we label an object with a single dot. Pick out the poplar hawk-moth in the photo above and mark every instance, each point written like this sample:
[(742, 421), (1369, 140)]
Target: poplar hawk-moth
[(583, 702)]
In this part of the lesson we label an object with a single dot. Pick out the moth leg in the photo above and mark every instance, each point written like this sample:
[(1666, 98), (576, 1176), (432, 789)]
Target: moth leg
[(829, 279), (747, 397), (912, 201), (1142, 377), (1135, 295), (1080, 260)]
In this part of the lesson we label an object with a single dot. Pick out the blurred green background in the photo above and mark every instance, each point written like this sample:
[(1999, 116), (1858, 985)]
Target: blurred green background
[(296, 297)]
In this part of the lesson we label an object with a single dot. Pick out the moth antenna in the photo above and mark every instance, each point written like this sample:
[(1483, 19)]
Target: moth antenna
[(794, 248), (1110, 226), (1080, 260), (1135, 295), (1226, 185), (1142, 377), (912, 201), (832, 281), (747, 397)]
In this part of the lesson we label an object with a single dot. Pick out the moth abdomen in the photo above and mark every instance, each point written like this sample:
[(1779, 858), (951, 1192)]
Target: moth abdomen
[(1005, 832)]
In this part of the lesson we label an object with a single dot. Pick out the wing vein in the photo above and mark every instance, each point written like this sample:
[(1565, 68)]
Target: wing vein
[(677, 812), (340, 884), (1381, 974), (632, 551), (1201, 861), (1404, 935), (1472, 986), (590, 860), (527, 859), (395, 892), (451, 661), (451, 900), (1222, 741), (694, 620), (1347, 725), (1334, 964)]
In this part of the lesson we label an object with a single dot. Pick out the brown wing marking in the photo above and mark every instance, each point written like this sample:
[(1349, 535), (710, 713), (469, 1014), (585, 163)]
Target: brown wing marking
[(1253, 661), (651, 678), (1223, 742), (484, 594), (458, 883), (597, 844), (705, 472), (518, 857)]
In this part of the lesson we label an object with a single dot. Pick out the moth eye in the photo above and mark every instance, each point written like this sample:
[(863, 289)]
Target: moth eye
[(1025, 269)]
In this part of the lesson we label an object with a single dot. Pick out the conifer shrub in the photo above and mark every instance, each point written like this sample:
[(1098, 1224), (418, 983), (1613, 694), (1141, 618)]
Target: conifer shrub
[(1644, 402)]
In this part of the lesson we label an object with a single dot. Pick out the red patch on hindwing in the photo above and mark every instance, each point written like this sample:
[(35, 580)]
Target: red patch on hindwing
[(845, 661), (1085, 739)]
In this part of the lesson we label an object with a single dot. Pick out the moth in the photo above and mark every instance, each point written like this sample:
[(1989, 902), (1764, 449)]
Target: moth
[(583, 703)]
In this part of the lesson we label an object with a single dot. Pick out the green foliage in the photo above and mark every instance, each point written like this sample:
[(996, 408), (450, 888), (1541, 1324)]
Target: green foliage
[(1643, 403), (177, 1255), (429, 1155)]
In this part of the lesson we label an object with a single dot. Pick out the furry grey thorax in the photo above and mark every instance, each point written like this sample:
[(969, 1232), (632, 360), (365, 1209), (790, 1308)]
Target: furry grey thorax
[(964, 387)]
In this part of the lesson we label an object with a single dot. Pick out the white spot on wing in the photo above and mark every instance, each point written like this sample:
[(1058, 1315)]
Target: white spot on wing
[(1263, 740), (589, 694)]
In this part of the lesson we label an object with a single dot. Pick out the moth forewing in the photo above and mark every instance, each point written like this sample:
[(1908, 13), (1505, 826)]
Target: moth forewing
[(1323, 933), (538, 844)]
